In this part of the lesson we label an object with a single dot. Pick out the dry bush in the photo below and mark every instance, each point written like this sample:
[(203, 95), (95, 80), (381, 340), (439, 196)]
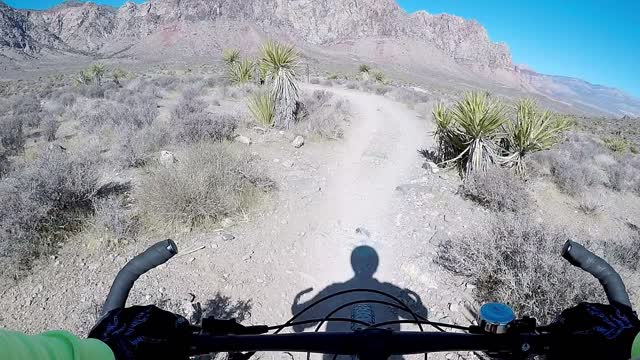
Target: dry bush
[(5, 164), (315, 81), (137, 146), (211, 181), (624, 177), (590, 203), (517, 261), (192, 122), (67, 99), (498, 189), (136, 110), (319, 113), (50, 126), (166, 82), (43, 201), (116, 216), (12, 134)]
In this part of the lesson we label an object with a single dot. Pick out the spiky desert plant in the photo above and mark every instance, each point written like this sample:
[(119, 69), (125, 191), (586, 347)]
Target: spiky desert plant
[(532, 130), (117, 75), (279, 64), (364, 68), (230, 56), (379, 76), (262, 108), (478, 127), (84, 78), (97, 70), (449, 143), (241, 71)]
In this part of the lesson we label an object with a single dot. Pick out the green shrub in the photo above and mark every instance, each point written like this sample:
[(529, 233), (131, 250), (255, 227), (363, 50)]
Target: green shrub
[(241, 71), (379, 77), (230, 56), (261, 106), (364, 68), (616, 144), (532, 130)]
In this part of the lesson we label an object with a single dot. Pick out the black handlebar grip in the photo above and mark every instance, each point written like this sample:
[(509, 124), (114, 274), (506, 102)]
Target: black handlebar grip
[(610, 280), (155, 255)]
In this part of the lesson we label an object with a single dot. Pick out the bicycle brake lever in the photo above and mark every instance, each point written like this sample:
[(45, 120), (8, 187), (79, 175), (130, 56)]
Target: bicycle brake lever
[(215, 326)]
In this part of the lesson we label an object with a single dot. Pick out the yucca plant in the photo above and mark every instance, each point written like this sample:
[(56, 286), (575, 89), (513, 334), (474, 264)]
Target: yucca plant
[(241, 71), (379, 77), (364, 68), (262, 108), (97, 70), (84, 78), (230, 56), (532, 130), (117, 75), (279, 62), (476, 128), (449, 143)]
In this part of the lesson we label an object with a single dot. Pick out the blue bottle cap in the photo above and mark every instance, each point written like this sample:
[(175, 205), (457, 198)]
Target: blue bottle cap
[(497, 313)]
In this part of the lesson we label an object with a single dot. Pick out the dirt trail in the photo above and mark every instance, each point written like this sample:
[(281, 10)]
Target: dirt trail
[(378, 154), (303, 238)]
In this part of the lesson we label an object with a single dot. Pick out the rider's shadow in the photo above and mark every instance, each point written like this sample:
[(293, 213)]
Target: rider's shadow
[(364, 261)]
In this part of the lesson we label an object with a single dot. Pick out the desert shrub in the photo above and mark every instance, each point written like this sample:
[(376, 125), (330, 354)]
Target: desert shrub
[(92, 91), (319, 113), (516, 260), (211, 181), (262, 107), (364, 68), (26, 105), (314, 81), (5, 164), (241, 71), (623, 177), (43, 201), (379, 77), (117, 75), (116, 216), (196, 127), (352, 85), (67, 99), (616, 144), (50, 126), (532, 130), (589, 203), (137, 146), (497, 189), (230, 56), (166, 82), (187, 106), (193, 90), (12, 134)]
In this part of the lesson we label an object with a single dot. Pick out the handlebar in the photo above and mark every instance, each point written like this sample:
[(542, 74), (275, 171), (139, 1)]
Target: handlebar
[(380, 343), (155, 255), (611, 281)]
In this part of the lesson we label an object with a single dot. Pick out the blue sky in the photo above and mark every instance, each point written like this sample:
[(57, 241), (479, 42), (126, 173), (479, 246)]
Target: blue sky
[(595, 40)]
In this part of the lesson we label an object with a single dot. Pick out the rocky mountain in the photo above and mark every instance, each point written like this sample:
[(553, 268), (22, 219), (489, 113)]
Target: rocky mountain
[(197, 26)]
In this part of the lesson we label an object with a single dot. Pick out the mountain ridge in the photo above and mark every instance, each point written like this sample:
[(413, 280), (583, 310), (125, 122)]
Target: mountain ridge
[(149, 28)]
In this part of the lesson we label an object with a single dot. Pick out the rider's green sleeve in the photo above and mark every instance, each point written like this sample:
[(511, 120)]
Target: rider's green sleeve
[(52, 345), (635, 348)]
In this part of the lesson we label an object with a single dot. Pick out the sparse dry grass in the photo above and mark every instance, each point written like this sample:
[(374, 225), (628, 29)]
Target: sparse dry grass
[(516, 260), (497, 189), (321, 114), (211, 181)]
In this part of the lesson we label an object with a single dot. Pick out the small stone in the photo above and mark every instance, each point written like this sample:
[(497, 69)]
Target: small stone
[(298, 141), (243, 139), (276, 160), (167, 158), (227, 237), (259, 281), (454, 307), (287, 163)]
